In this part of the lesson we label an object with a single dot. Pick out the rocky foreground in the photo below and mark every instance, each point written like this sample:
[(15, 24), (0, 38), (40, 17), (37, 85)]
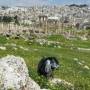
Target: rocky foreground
[(14, 75)]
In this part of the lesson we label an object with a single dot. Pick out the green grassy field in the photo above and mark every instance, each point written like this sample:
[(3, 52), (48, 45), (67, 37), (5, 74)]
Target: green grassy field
[(74, 63)]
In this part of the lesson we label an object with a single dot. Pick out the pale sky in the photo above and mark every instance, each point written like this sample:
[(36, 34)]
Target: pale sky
[(41, 2)]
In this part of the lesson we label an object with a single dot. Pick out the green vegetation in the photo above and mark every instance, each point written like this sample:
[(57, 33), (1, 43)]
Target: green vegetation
[(68, 55), (9, 19)]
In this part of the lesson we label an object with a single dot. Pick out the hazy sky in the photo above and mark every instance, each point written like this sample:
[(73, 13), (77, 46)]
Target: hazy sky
[(41, 2)]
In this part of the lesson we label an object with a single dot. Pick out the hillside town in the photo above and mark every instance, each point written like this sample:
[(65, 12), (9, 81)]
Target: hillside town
[(45, 19)]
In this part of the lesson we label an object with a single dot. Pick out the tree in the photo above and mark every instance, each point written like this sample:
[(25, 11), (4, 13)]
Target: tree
[(7, 19), (16, 20)]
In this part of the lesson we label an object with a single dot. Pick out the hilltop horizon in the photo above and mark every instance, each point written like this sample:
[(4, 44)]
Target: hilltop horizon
[(70, 5)]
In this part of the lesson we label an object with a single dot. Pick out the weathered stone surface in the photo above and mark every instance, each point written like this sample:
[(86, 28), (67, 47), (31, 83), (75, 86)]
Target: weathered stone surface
[(57, 81), (14, 75)]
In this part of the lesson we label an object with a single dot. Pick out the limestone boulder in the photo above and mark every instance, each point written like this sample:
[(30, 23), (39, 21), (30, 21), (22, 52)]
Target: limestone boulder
[(14, 75)]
